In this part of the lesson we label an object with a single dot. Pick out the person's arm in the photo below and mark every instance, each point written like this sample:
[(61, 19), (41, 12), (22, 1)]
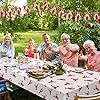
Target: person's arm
[(0, 51), (40, 50), (13, 52), (73, 48), (55, 48), (36, 53), (98, 62), (26, 50)]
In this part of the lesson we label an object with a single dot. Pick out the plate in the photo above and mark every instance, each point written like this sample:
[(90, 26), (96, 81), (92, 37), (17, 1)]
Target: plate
[(38, 76), (79, 70), (36, 72)]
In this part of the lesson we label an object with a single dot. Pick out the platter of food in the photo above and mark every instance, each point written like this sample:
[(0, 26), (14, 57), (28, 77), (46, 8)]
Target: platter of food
[(37, 73)]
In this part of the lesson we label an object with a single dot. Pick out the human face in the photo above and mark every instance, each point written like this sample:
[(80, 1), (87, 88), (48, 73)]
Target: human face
[(46, 39), (31, 43), (90, 49), (7, 41), (65, 40)]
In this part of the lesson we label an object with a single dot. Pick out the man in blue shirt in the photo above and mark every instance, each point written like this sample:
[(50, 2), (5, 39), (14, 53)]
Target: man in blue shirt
[(48, 50)]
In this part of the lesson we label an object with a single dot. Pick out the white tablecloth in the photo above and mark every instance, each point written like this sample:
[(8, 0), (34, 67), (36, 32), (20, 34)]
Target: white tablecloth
[(53, 87)]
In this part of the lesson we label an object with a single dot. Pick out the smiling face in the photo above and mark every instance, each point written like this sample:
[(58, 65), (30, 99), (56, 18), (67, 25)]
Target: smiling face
[(90, 49), (7, 40), (46, 38), (65, 39), (31, 42)]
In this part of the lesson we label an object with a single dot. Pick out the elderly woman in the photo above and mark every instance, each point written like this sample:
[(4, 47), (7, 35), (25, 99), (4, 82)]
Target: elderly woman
[(48, 49), (7, 48), (92, 57), (68, 52)]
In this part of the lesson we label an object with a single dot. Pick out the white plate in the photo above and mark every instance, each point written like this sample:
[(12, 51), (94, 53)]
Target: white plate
[(79, 70)]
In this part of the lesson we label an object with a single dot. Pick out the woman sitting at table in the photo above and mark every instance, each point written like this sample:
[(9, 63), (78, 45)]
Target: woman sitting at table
[(48, 49), (68, 52), (31, 49), (92, 57), (7, 48)]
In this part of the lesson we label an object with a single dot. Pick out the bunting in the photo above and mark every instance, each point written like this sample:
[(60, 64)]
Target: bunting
[(62, 13), (2, 13), (18, 11)]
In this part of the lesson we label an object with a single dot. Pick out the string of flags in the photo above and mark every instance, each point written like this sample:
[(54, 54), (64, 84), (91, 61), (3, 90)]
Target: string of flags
[(62, 13)]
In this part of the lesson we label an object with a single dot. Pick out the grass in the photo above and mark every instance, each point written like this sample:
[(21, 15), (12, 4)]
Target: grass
[(21, 44)]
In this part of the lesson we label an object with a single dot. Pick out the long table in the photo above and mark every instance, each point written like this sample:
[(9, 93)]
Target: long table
[(53, 87)]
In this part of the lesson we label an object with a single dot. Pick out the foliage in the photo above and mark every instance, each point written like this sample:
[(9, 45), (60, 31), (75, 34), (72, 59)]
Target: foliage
[(25, 22), (58, 68), (81, 31), (5, 4), (22, 42)]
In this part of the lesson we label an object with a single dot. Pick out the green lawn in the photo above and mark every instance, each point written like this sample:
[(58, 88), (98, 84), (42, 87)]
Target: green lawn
[(20, 44)]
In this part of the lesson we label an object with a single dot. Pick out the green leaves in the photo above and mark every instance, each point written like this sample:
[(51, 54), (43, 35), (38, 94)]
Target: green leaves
[(81, 31)]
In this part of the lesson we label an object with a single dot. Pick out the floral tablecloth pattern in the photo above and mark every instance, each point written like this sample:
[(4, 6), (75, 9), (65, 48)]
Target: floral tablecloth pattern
[(53, 87)]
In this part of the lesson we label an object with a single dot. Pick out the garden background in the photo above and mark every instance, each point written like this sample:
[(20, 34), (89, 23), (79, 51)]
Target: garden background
[(41, 16), (78, 18)]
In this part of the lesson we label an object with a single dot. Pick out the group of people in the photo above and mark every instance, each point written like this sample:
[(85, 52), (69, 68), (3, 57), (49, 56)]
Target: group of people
[(67, 52)]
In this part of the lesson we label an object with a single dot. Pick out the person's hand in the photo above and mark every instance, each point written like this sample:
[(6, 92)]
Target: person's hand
[(80, 57), (35, 50), (68, 48), (47, 50), (26, 51), (3, 52)]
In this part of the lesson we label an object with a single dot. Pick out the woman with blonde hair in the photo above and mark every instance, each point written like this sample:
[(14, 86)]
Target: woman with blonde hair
[(7, 49)]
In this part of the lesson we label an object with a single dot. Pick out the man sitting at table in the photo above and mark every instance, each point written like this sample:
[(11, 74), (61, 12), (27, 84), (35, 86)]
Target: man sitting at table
[(92, 57), (48, 49), (68, 52)]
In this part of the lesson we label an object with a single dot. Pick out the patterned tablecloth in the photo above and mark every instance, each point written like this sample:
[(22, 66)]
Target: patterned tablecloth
[(53, 87)]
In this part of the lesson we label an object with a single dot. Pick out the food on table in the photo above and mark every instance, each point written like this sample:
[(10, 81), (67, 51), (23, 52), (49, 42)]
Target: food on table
[(36, 72), (22, 59), (46, 67)]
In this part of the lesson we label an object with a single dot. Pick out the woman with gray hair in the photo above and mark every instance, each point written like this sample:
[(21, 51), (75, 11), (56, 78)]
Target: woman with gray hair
[(92, 57)]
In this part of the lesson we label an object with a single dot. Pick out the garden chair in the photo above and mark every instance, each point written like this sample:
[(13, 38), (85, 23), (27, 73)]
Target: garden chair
[(4, 93), (87, 97)]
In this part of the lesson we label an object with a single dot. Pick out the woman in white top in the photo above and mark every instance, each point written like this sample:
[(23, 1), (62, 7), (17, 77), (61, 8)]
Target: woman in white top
[(7, 48)]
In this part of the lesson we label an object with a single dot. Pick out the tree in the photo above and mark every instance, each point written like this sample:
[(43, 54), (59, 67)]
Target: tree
[(5, 5)]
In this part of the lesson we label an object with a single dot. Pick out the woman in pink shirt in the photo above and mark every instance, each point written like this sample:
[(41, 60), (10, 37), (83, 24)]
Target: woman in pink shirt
[(68, 52), (92, 57)]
